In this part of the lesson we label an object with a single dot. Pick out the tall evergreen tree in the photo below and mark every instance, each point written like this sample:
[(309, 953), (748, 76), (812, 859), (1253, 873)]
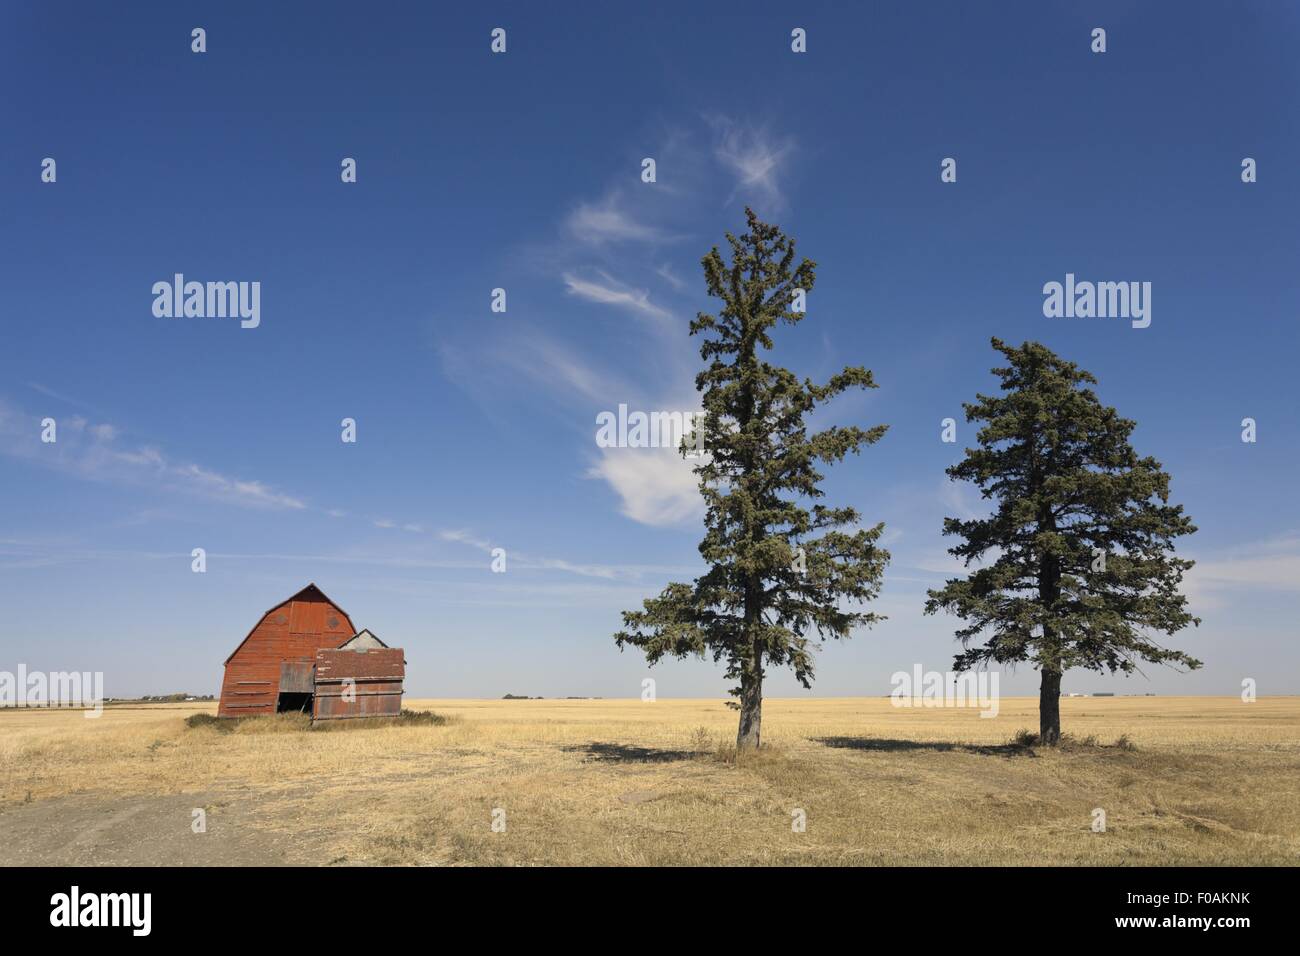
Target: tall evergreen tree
[(1081, 539), (778, 572)]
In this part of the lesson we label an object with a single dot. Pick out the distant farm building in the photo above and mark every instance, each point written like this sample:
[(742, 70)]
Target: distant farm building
[(304, 655)]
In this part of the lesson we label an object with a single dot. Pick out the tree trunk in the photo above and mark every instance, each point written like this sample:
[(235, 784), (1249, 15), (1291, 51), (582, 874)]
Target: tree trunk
[(1049, 593), (751, 706), (1049, 708)]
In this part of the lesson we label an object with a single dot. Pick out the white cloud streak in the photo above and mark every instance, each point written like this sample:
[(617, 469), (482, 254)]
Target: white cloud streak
[(608, 221), (90, 451), (610, 291), (754, 158)]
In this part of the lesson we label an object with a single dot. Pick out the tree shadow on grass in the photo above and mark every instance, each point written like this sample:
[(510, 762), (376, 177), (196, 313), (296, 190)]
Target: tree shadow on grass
[(625, 753), (884, 745)]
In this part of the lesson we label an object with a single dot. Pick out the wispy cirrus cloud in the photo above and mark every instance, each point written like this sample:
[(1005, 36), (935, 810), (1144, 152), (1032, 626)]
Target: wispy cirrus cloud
[(561, 369), (654, 486), (194, 478), (609, 291), (23, 554), (520, 559), (56, 395), (462, 536), (1269, 565), (91, 451), (600, 256), (755, 158), (610, 220), (666, 273)]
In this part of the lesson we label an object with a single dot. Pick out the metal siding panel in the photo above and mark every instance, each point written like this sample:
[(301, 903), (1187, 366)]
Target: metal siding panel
[(371, 677), (365, 705)]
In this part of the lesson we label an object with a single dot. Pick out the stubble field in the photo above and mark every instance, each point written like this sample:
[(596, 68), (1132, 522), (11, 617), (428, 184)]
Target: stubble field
[(1197, 781)]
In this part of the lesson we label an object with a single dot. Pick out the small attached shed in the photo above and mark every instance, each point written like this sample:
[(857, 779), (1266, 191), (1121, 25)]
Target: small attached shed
[(358, 682), (277, 667)]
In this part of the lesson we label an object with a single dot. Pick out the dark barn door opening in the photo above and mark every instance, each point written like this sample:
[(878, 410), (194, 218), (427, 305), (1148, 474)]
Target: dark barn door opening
[(293, 704), (297, 685)]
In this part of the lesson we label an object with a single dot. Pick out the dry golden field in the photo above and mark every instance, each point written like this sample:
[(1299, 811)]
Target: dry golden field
[(1211, 781)]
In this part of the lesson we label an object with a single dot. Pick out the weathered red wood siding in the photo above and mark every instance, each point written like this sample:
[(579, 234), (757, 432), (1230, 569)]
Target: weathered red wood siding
[(371, 677), (292, 631)]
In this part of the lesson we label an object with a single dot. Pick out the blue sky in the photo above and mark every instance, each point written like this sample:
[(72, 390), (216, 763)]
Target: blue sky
[(522, 171)]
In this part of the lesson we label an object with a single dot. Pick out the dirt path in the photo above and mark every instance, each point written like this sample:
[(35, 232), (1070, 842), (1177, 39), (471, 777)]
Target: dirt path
[(104, 830)]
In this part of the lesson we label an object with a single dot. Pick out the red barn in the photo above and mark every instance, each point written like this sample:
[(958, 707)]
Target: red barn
[(275, 667)]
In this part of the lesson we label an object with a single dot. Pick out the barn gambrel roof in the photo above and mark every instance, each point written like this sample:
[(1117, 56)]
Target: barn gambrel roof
[(309, 589)]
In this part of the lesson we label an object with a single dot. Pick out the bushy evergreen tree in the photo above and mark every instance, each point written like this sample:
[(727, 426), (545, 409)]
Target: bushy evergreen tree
[(778, 572), (1081, 540)]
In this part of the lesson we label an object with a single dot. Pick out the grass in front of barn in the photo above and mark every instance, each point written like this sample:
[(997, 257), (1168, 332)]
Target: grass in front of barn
[(299, 722), (1181, 781)]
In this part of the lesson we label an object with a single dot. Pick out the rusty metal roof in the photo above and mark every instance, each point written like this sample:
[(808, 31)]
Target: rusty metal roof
[(380, 664)]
